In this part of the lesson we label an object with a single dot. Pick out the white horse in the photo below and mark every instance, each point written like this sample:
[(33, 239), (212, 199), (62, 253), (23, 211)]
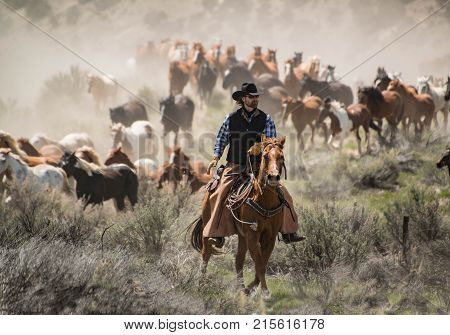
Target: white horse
[(145, 167), (344, 122), (45, 175), (136, 140), (425, 86), (69, 143)]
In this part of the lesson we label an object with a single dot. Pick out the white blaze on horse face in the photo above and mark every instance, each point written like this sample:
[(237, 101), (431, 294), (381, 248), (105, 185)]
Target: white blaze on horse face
[(172, 158), (287, 68)]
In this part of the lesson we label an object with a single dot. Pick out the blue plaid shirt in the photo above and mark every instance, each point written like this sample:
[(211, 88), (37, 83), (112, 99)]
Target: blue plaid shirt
[(223, 137)]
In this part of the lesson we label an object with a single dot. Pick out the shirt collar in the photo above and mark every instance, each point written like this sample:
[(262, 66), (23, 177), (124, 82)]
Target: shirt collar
[(248, 118)]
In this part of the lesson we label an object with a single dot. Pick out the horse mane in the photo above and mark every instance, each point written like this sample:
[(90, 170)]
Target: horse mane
[(373, 92), (12, 144), (89, 168), (90, 152)]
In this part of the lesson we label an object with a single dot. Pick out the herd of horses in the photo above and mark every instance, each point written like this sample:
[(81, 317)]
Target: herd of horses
[(312, 95)]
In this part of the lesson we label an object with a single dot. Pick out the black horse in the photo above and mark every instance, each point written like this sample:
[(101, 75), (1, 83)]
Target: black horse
[(176, 112), (95, 184), (382, 79), (235, 75), (323, 89), (206, 78)]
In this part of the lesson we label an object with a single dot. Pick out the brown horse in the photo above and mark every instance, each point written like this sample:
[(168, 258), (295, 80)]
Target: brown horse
[(256, 53), (445, 160), (117, 156), (25, 145), (7, 141), (386, 104), (259, 66), (227, 60), (304, 113), (415, 107), (291, 82), (179, 165), (256, 232), (179, 74)]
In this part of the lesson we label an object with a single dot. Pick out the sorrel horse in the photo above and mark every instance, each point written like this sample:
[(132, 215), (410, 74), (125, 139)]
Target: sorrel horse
[(179, 74), (415, 107), (303, 113), (95, 184), (386, 104), (256, 232)]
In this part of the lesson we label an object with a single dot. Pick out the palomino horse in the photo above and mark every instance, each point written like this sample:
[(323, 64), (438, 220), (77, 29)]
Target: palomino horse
[(415, 106), (179, 74), (311, 68), (425, 86), (445, 160), (257, 232), (103, 89), (70, 142), (18, 171), (303, 113), (291, 82), (386, 104), (335, 90), (95, 184)]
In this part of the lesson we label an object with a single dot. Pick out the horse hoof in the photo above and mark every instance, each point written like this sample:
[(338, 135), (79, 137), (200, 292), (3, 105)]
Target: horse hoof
[(266, 293)]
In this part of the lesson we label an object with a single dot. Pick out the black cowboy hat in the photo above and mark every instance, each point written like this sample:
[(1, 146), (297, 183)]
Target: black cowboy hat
[(246, 89)]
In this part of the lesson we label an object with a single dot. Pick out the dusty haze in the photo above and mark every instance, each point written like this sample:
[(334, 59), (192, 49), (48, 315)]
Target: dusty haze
[(106, 32)]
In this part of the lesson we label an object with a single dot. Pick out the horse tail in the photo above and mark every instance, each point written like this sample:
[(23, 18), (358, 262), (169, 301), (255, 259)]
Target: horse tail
[(197, 234)]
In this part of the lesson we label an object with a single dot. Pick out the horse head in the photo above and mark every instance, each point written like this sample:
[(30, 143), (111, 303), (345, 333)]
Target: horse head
[(117, 134), (272, 160), (298, 58)]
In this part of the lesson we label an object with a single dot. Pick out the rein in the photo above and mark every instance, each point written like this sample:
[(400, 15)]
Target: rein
[(236, 199)]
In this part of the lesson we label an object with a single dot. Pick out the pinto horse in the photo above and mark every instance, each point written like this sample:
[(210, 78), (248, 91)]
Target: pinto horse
[(256, 232), (95, 184), (46, 175)]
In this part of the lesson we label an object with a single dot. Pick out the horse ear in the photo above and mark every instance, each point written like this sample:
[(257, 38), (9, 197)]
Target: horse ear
[(263, 137), (282, 140)]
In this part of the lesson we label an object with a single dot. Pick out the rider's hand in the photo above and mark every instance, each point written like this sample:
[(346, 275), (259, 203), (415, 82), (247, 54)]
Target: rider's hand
[(212, 164)]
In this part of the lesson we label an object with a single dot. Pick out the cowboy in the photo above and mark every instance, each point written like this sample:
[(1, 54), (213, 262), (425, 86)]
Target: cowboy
[(240, 130)]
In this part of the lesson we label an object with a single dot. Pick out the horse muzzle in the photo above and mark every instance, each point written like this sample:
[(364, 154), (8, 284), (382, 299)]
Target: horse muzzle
[(273, 179)]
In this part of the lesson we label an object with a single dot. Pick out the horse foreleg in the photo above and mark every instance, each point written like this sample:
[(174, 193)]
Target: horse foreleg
[(358, 138), (254, 248), (367, 131), (312, 133), (240, 258), (267, 249)]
